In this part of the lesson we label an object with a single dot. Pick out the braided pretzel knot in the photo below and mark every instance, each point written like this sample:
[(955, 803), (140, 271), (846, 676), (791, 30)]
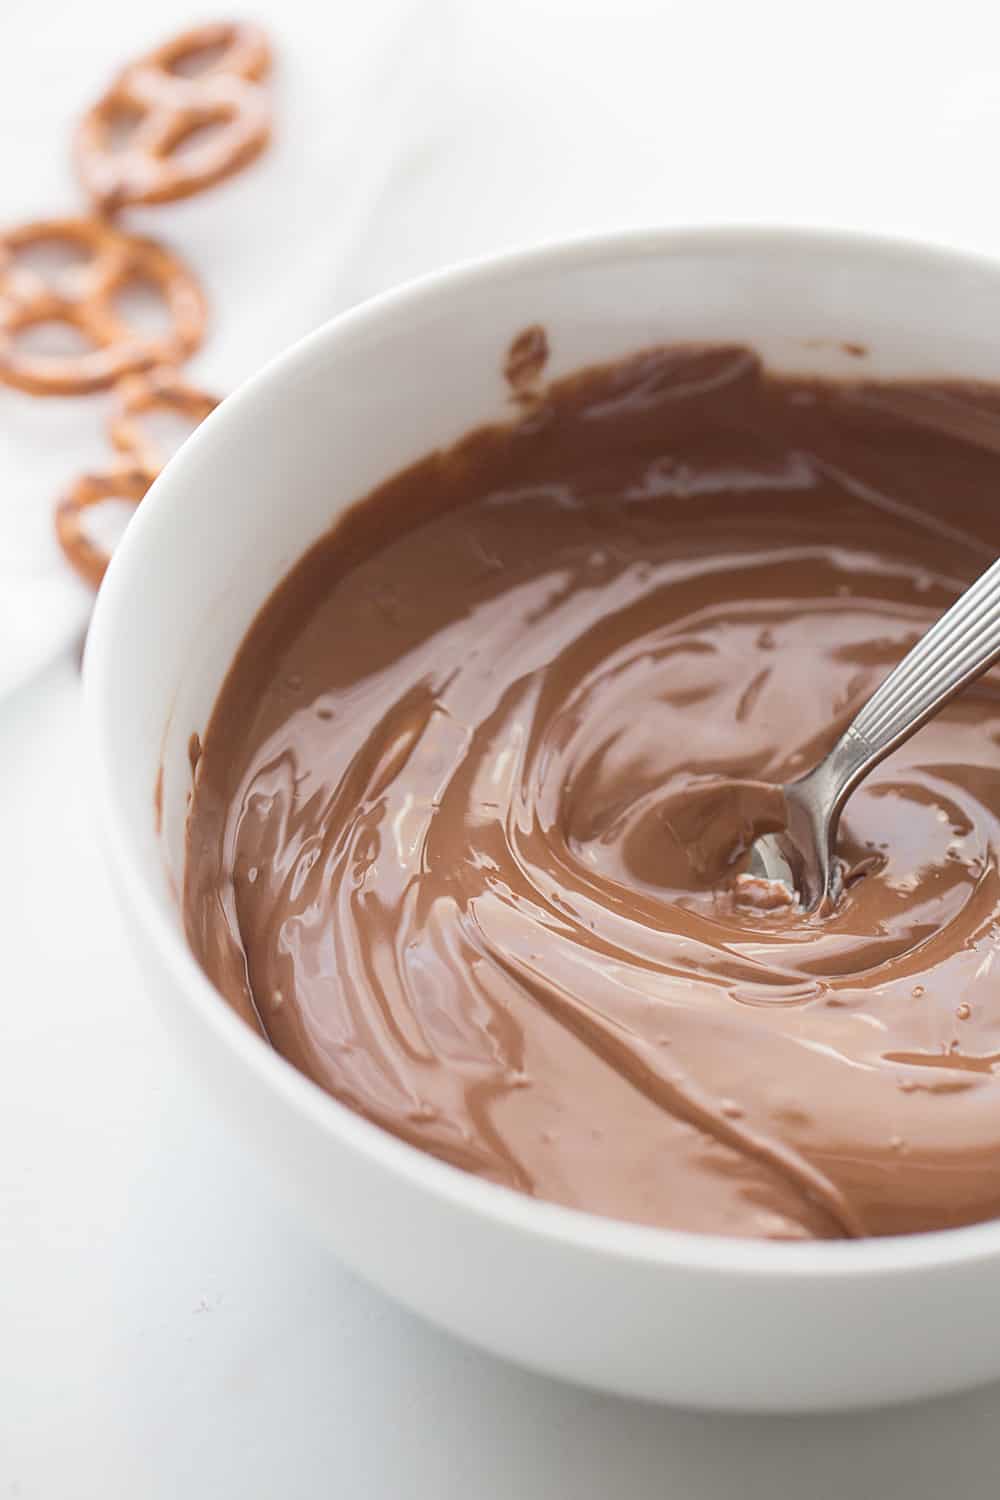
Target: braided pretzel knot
[(113, 261), (88, 557), (158, 390), (164, 108)]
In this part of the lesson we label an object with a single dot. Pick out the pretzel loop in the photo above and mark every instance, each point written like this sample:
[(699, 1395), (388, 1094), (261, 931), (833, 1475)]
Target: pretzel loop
[(131, 477), (166, 107), (88, 557), (112, 260), (159, 390), (243, 50)]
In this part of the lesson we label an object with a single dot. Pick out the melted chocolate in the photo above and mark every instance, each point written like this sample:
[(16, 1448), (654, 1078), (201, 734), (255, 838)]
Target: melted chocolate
[(465, 842), (525, 362)]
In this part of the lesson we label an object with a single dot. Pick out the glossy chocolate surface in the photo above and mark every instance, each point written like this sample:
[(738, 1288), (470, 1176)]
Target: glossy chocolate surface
[(446, 846)]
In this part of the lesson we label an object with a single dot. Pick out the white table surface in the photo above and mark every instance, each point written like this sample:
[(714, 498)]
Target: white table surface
[(165, 1329)]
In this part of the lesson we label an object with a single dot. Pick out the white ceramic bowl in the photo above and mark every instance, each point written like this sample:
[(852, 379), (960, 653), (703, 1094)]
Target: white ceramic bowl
[(669, 1316)]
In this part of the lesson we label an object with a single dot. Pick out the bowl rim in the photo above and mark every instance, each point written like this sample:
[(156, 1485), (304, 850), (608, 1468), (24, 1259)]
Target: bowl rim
[(505, 1208)]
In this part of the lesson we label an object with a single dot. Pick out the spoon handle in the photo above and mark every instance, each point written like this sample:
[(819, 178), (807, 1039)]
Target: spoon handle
[(964, 643)]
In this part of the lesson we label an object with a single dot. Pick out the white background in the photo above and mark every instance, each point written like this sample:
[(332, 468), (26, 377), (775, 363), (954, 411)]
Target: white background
[(164, 1329)]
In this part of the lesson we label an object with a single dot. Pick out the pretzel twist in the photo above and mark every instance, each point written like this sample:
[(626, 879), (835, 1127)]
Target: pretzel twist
[(161, 102), (163, 108), (161, 389), (87, 556), (86, 303)]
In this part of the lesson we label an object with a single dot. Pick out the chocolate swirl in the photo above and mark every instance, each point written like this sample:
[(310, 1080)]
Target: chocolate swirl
[(473, 805)]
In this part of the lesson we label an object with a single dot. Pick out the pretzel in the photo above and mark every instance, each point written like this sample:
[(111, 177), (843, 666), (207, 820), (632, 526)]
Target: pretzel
[(114, 259), (161, 389), (245, 51), (123, 482), (164, 108)]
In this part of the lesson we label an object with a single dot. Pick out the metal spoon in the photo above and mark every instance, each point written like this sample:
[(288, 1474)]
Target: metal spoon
[(963, 644)]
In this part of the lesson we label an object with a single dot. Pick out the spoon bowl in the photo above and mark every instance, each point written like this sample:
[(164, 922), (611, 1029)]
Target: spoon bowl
[(960, 647)]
